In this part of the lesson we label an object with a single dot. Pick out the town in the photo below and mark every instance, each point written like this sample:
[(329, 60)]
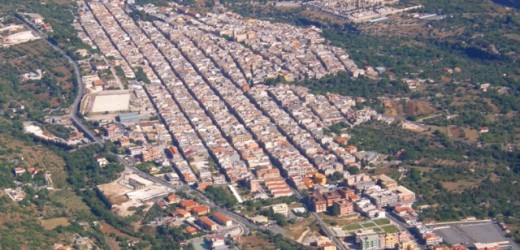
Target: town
[(189, 102)]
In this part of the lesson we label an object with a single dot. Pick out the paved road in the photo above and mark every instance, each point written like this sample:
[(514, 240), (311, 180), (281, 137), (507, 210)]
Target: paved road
[(81, 87), (403, 225), (195, 194)]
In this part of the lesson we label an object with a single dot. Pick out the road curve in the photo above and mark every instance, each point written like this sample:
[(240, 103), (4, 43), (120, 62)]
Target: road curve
[(81, 87)]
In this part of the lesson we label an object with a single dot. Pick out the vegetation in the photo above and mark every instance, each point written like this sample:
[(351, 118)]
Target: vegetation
[(32, 99), (59, 14), (141, 76), (84, 170), (221, 196), (342, 83)]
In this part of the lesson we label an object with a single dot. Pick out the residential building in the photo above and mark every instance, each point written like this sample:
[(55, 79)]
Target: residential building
[(222, 219), (318, 203), (344, 207), (368, 239), (207, 223), (200, 210), (188, 204)]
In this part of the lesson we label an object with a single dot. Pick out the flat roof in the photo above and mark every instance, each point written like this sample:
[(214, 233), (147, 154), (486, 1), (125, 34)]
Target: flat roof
[(111, 103)]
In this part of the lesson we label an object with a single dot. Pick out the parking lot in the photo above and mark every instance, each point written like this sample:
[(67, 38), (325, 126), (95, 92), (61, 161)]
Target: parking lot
[(468, 233)]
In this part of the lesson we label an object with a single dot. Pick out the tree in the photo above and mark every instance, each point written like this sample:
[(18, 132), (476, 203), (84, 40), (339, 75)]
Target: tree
[(334, 210)]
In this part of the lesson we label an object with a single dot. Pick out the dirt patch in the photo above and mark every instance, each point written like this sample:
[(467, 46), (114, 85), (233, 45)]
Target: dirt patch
[(108, 229), (53, 223), (458, 186), (340, 221), (492, 105), (254, 242), (296, 230), (472, 135), (419, 108)]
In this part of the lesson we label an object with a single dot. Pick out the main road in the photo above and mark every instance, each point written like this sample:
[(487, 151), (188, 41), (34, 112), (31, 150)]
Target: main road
[(74, 109)]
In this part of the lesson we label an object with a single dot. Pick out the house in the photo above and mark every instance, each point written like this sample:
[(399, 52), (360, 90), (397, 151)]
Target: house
[(181, 213), (19, 171), (216, 241), (325, 243), (281, 208), (327, 246), (222, 219), (431, 239), (191, 230), (484, 130), (172, 198), (207, 223), (188, 204), (351, 149), (200, 210), (102, 161)]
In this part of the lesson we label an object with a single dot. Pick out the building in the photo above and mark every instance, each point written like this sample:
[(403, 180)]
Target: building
[(432, 239), (331, 196), (19, 171), (129, 117), (172, 198), (188, 204), (353, 180), (281, 208), (191, 230), (318, 203), (216, 241), (386, 182), (222, 219), (102, 161), (368, 240), (406, 242), (200, 210), (405, 195), (207, 223), (390, 240), (344, 207), (136, 184), (325, 243), (181, 213)]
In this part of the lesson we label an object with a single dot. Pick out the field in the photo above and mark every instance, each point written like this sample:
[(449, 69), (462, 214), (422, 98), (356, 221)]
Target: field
[(296, 230), (53, 223), (70, 200), (340, 221), (378, 225), (254, 242), (110, 103)]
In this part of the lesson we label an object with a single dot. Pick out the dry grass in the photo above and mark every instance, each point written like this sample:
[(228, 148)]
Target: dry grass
[(53, 223), (458, 186), (36, 156), (295, 230), (254, 242), (70, 200)]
